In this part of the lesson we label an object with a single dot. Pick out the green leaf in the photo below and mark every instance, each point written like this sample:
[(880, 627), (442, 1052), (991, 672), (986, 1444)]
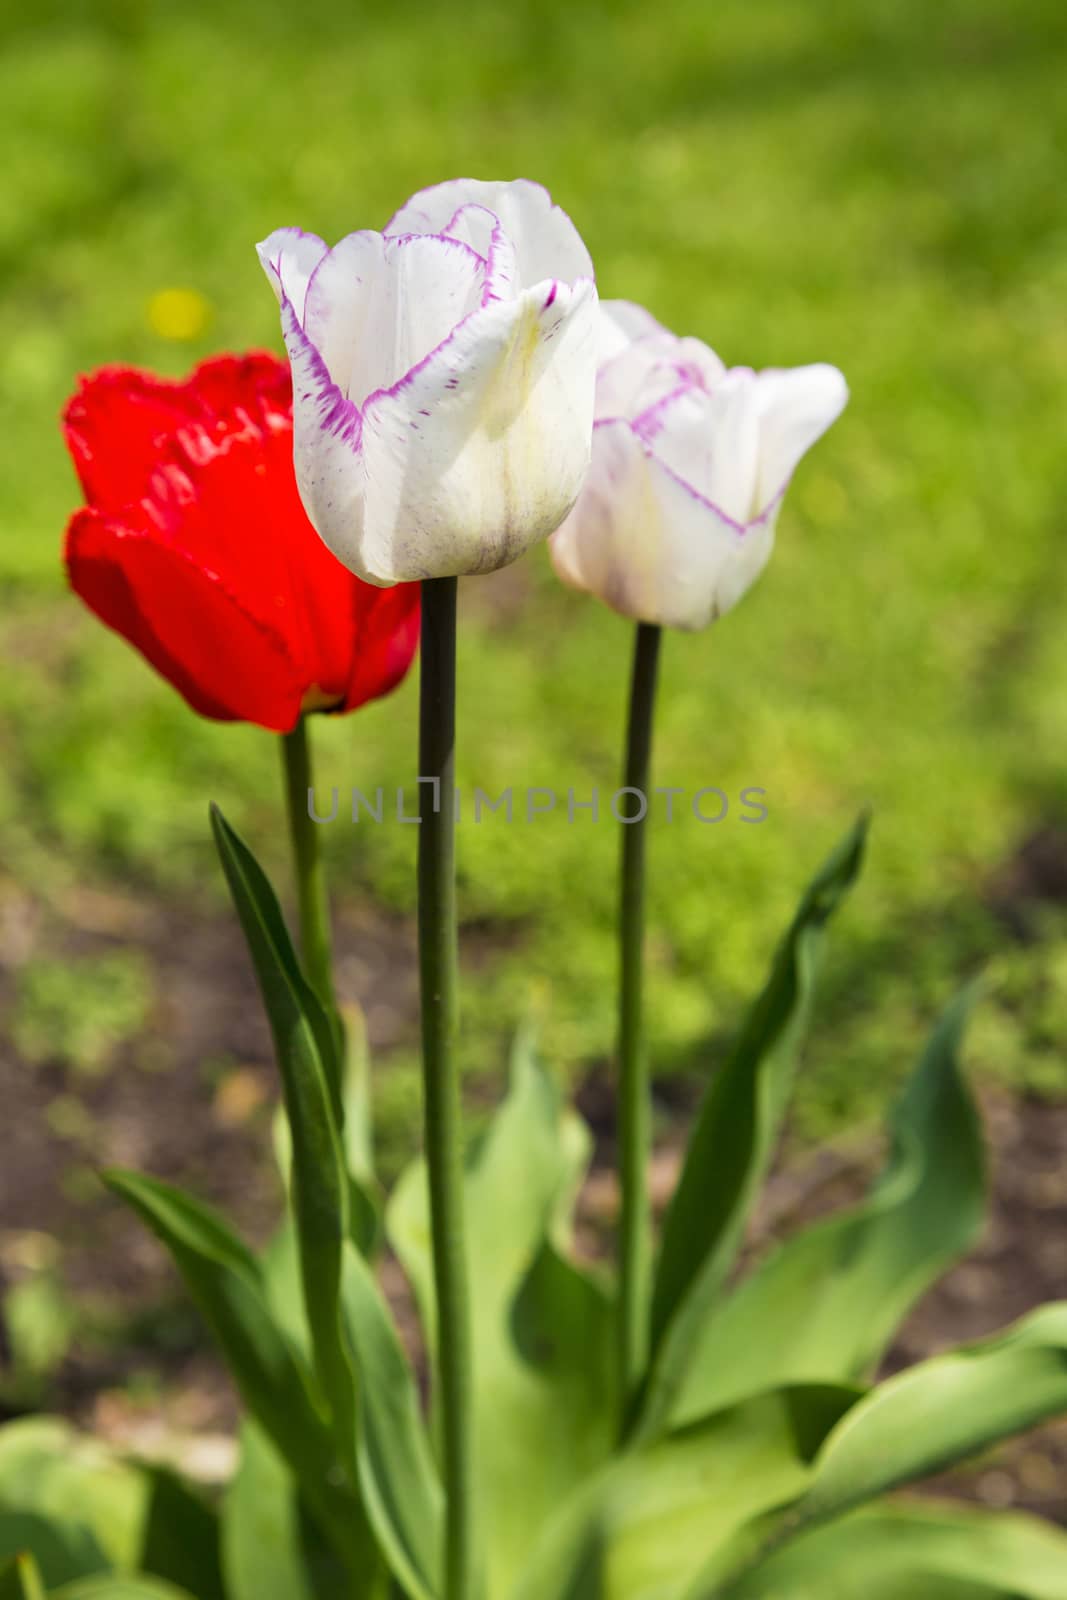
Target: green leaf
[(303, 1042), (825, 1305), (62, 1550), (541, 1327), (396, 1471), (734, 1137), (120, 1586), (20, 1579), (94, 1503), (270, 1550), (920, 1422), (224, 1279), (273, 954), (365, 1198), (181, 1537), (95, 1510), (908, 1552), (644, 1527)]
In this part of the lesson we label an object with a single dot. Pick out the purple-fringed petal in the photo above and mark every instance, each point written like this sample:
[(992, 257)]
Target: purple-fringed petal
[(795, 408), (641, 362), (481, 450), (650, 546), (621, 323), (479, 228), (327, 454), (377, 306), (289, 256), (547, 244), (711, 441)]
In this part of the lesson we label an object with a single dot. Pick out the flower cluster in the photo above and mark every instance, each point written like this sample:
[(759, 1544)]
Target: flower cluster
[(458, 394)]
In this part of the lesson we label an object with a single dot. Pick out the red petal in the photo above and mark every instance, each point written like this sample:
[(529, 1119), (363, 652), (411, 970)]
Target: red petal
[(386, 637), (187, 624), (202, 554), (120, 416)]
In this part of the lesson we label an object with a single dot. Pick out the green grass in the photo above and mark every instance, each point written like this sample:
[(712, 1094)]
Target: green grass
[(877, 184)]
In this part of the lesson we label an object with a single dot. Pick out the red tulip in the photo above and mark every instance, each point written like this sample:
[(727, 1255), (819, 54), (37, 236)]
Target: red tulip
[(195, 547)]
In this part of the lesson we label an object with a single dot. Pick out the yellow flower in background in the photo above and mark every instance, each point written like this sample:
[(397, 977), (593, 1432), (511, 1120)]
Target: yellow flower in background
[(179, 314)]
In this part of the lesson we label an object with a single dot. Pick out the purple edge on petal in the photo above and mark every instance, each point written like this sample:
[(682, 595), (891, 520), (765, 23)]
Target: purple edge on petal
[(343, 417), (740, 528)]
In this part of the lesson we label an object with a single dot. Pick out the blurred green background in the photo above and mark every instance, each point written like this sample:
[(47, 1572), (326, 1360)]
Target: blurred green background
[(877, 184)]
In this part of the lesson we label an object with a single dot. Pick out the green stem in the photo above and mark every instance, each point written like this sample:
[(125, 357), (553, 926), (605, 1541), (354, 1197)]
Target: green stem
[(307, 866), (443, 1134), (635, 1241)]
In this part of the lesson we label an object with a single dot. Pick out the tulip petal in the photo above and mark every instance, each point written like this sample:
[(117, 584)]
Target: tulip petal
[(376, 306), (547, 244), (289, 257), (649, 545), (711, 441), (115, 423), (477, 227), (641, 362), (795, 408), (622, 322), (480, 451), (188, 624)]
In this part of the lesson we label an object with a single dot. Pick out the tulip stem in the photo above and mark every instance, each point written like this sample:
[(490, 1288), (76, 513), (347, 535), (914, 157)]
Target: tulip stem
[(441, 1093), (635, 1240), (307, 865)]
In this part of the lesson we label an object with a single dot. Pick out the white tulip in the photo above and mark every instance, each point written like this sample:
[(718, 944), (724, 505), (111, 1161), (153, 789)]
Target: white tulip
[(690, 463), (443, 378)]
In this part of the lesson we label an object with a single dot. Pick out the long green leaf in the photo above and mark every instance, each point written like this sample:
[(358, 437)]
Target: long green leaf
[(541, 1327), (396, 1470), (824, 1307), (366, 1200), (224, 1279), (918, 1423), (20, 1579), (645, 1526), (303, 1041), (733, 1140), (180, 1542), (120, 1586), (906, 1552), (270, 1550)]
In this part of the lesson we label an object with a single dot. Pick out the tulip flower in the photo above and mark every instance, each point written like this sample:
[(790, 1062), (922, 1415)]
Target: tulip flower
[(690, 462), (443, 375), (195, 547)]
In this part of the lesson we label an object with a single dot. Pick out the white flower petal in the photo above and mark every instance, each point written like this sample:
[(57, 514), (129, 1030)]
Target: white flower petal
[(646, 544), (289, 256), (735, 445), (642, 362), (547, 244), (377, 306), (711, 441), (795, 408), (621, 323), (699, 363), (327, 455), (480, 452), (480, 229)]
